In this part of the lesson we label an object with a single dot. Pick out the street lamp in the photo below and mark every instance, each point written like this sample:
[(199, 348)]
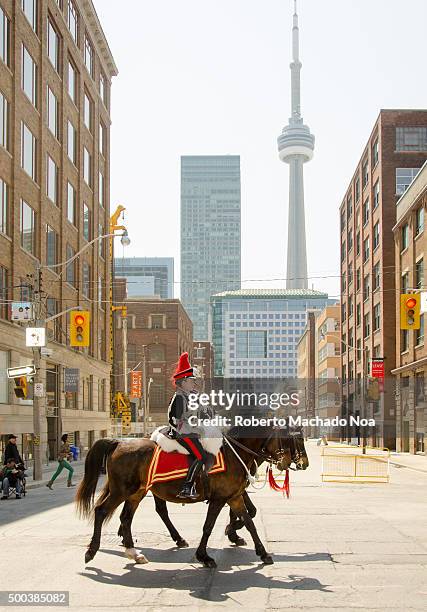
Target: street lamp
[(125, 240)]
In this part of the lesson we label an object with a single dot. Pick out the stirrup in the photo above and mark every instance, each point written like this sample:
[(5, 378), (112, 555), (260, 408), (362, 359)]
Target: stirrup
[(187, 492)]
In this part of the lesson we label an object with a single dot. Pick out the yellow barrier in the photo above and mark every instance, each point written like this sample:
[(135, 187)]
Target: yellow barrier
[(355, 464)]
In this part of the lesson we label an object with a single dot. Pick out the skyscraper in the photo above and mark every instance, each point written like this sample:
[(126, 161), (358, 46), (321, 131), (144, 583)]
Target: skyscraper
[(210, 233), (296, 145), (146, 276)]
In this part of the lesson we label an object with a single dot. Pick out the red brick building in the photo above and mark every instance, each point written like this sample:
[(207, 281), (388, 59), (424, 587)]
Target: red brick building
[(395, 151)]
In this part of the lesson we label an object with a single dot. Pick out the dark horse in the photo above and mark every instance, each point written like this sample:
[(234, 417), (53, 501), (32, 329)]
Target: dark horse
[(127, 467)]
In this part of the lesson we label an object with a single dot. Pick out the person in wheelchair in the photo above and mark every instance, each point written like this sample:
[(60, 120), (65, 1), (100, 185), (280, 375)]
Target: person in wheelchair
[(11, 477)]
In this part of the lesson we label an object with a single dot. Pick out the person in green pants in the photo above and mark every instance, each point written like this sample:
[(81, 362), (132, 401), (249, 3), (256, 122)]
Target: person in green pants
[(63, 455)]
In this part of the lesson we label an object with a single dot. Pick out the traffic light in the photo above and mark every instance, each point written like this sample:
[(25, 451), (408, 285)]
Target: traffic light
[(79, 328), (373, 389), (410, 304), (21, 389)]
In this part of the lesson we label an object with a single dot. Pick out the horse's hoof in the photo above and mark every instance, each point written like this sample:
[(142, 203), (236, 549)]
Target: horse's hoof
[(267, 560), (89, 555), (209, 563), (181, 543), (141, 559), (240, 542)]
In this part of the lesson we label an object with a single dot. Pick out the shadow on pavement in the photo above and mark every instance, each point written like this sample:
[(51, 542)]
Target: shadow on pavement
[(35, 502)]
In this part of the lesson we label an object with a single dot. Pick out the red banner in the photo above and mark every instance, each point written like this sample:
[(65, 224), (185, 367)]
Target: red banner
[(377, 368), (135, 384)]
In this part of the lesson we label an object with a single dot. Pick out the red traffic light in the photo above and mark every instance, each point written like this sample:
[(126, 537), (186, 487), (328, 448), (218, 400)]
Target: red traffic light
[(79, 319), (411, 302)]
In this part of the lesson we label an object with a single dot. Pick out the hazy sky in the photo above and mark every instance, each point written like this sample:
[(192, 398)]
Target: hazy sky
[(212, 77)]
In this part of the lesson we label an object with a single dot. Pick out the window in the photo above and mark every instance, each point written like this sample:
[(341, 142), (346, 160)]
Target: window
[(89, 56), (350, 276), (73, 20), (102, 404), (70, 274), (419, 274), (52, 113), (376, 276), (72, 82), (359, 350), (72, 142), (86, 222), (357, 243), (29, 76), (419, 337), (358, 315), (4, 37), (376, 238), (343, 282), (53, 45), (30, 9), (4, 293), (28, 228), (86, 279), (4, 381), (342, 219), (405, 282), (51, 246), (87, 393), (404, 340), (87, 167), (366, 287), (53, 327), (365, 213), (88, 112), (357, 279), (377, 317), (101, 189), (102, 139), (100, 292), (365, 250), (411, 139), (366, 325), (343, 311), (350, 241), (375, 153), (251, 344), (4, 207), (71, 203), (404, 177), (376, 194), (349, 206), (4, 122), (404, 237), (419, 220), (357, 190), (101, 245), (52, 180), (103, 88), (350, 306), (156, 322), (29, 152), (365, 173), (343, 250)]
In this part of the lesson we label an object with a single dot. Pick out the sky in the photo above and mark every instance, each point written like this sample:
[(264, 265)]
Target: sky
[(200, 77)]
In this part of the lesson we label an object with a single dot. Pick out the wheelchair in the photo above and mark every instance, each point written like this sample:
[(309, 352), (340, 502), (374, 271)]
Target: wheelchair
[(12, 489)]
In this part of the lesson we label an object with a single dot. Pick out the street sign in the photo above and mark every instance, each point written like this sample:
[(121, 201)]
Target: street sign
[(28, 370), (71, 380), (38, 390), (22, 311), (135, 384), (35, 336)]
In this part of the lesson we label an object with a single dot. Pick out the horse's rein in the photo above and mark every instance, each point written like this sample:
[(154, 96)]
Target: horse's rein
[(260, 455)]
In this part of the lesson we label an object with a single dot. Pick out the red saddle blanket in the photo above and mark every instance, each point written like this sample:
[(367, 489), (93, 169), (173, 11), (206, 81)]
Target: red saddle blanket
[(172, 466)]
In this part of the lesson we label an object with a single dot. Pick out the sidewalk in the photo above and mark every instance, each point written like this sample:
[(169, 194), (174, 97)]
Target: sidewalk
[(48, 470), (406, 460)]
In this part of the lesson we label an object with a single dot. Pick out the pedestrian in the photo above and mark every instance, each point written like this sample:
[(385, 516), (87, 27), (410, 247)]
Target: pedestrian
[(11, 478), (11, 451), (63, 455)]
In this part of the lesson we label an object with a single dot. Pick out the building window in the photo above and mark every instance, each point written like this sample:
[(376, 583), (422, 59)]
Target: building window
[(411, 139), (357, 190), (376, 194), (4, 207), (357, 243), (4, 293), (405, 282), (4, 122), (343, 282), (103, 88), (419, 274), (28, 152), (4, 37), (101, 245), (251, 344), (342, 219), (405, 340), (73, 20), (377, 317), (51, 246), (53, 45), (101, 292), (89, 56), (366, 287), (419, 220), (365, 213), (366, 325), (359, 350), (376, 238), (88, 112), (419, 336), (343, 250), (404, 237), (157, 321), (52, 113), (101, 189), (53, 327), (102, 405), (350, 276), (350, 241), (28, 228), (71, 203), (375, 153), (72, 82), (86, 222), (29, 76), (87, 393), (365, 173), (102, 139), (52, 180), (358, 315), (376, 275), (86, 279), (87, 167), (350, 306), (30, 10), (404, 177), (366, 250), (349, 206), (70, 273), (72, 142), (357, 279), (4, 381)]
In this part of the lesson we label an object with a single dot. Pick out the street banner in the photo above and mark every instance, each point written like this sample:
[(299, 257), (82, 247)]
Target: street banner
[(135, 384), (377, 368), (71, 380)]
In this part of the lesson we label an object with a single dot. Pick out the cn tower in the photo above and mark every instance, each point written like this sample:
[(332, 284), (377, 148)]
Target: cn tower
[(296, 145)]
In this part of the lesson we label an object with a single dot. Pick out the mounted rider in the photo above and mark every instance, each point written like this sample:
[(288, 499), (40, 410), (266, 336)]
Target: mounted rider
[(180, 429)]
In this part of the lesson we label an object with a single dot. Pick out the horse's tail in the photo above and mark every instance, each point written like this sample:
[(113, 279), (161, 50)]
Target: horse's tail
[(95, 459)]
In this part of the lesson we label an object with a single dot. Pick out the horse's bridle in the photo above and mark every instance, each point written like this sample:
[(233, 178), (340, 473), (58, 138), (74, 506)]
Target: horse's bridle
[(263, 453)]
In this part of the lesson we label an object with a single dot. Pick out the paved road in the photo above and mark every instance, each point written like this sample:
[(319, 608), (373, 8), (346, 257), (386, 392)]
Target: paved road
[(336, 547)]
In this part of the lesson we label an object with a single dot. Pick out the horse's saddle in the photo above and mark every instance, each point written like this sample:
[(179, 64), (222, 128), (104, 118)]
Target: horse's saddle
[(169, 445)]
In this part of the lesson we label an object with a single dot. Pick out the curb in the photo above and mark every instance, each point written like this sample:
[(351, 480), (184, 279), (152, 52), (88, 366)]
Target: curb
[(408, 467)]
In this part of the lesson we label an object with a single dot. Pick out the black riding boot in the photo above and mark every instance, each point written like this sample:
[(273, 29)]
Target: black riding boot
[(188, 491)]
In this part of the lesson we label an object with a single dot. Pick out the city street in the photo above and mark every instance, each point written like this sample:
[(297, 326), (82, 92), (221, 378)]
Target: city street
[(335, 546)]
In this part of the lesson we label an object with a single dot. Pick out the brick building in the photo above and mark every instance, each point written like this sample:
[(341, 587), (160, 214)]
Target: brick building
[(158, 332), (411, 353), (55, 81), (396, 149), (306, 368)]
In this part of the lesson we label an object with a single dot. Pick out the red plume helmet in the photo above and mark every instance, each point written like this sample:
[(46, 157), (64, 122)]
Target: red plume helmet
[(183, 369)]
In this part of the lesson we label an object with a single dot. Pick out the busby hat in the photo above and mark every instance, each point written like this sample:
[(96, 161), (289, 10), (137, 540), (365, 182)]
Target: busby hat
[(183, 368)]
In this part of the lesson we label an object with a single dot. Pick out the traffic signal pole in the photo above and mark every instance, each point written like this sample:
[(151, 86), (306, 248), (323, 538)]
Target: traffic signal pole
[(38, 378)]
